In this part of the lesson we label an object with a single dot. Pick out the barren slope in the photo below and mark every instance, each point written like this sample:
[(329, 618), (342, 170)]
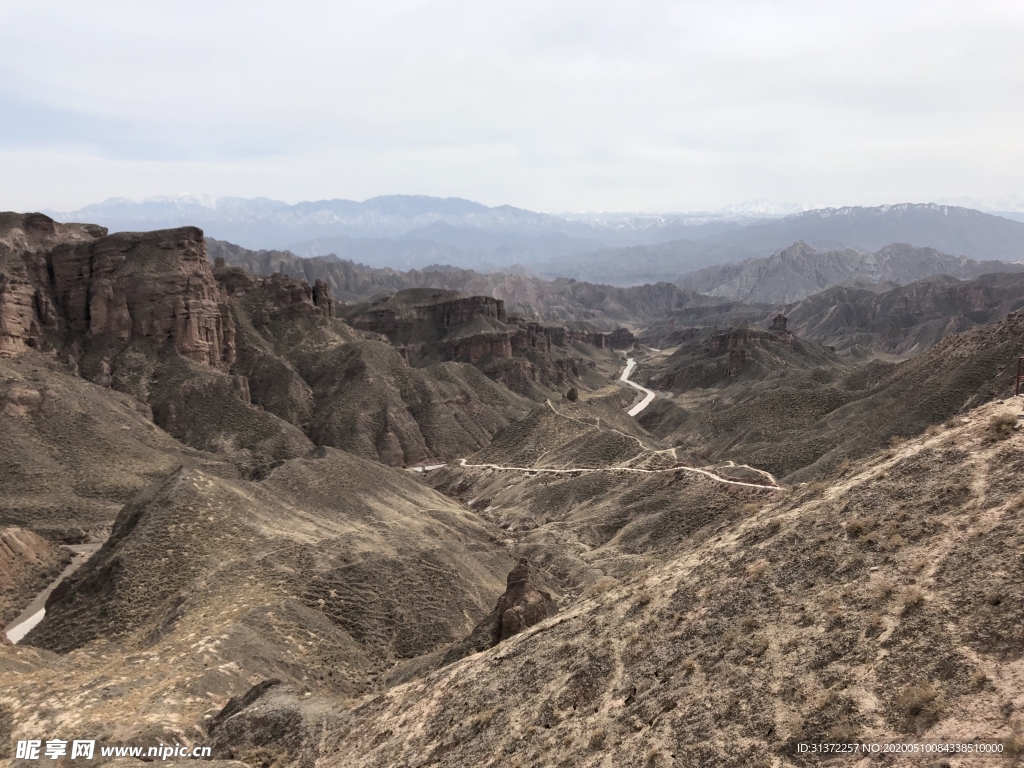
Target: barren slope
[(323, 575), (886, 606)]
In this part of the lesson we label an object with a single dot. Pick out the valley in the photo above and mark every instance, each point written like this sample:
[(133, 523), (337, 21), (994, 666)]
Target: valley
[(311, 512)]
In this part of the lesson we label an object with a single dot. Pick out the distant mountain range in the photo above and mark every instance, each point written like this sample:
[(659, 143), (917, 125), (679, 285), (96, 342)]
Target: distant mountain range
[(412, 232), (801, 270)]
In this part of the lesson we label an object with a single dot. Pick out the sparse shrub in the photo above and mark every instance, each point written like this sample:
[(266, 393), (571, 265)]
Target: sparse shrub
[(894, 542), (816, 488), (758, 645), (641, 597), (857, 527), (875, 625), (950, 422), (932, 430), (896, 441), (1001, 427), (978, 679), (597, 738), (748, 624), (919, 564), (756, 569), (920, 706), (688, 667), (913, 598), (481, 720), (845, 466), (750, 509), (882, 589)]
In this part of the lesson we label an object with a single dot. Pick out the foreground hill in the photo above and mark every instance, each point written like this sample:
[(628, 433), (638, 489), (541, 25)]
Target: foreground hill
[(324, 575), (883, 608), (802, 270)]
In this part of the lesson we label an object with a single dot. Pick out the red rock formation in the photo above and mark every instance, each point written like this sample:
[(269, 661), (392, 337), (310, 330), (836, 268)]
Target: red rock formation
[(156, 285), (27, 311), (75, 283), (279, 294), (420, 315)]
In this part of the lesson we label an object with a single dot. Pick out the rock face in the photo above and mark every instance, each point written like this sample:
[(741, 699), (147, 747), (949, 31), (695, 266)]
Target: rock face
[(281, 296), (416, 316), (430, 326), (73, 282), (521, 605), (155, 285), (27, 310)]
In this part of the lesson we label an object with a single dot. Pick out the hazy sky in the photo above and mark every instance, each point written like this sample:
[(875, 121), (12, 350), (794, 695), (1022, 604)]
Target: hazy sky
[(551, 106)]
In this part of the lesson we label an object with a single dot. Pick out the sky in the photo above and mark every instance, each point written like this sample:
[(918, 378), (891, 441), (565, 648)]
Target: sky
[(551, 106)]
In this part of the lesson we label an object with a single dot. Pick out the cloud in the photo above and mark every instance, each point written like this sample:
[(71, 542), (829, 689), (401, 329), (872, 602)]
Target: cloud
[(556, 106)]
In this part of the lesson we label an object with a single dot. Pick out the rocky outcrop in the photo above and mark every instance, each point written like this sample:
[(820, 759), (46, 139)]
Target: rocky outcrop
[(424, 315), (735, 340), (521, 605), (621, 338), (153, 285), (539, 336), (62, 283), (27, 308), (278, 294)]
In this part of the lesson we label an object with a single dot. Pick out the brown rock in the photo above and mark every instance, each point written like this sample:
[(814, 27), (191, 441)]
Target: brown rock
[(521, 605), (156, 285), (20, 401), (27, 308)]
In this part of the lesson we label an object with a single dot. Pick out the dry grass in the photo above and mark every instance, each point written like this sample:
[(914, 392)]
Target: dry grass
[(920, 706), (913, 598), (1001, 427)]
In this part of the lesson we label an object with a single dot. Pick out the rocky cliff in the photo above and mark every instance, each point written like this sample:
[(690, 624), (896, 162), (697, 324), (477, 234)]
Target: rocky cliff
[(27, 307), (67, 283)]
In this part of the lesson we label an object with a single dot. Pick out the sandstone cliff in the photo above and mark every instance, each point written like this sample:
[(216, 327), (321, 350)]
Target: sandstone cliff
[(27, 306), (62, 283)]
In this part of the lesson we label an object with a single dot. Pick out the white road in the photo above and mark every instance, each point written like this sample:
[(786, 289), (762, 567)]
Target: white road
[(630, 365), (36, 610)]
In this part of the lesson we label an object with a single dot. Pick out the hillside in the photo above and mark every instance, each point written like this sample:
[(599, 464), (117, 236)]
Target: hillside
[(323, 575), (801, 270), (801, 425), (908, 319), (882, 608)]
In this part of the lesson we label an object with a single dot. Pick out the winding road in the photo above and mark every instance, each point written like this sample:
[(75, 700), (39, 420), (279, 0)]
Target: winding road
[(771, 485), (630, 365)]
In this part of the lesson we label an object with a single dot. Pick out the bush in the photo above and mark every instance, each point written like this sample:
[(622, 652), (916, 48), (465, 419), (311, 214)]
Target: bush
[(912, 598), (1001, 427), (920, 706)]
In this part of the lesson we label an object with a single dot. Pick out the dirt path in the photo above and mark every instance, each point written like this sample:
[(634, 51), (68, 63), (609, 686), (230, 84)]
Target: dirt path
[(587, 470), (630, 365)]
